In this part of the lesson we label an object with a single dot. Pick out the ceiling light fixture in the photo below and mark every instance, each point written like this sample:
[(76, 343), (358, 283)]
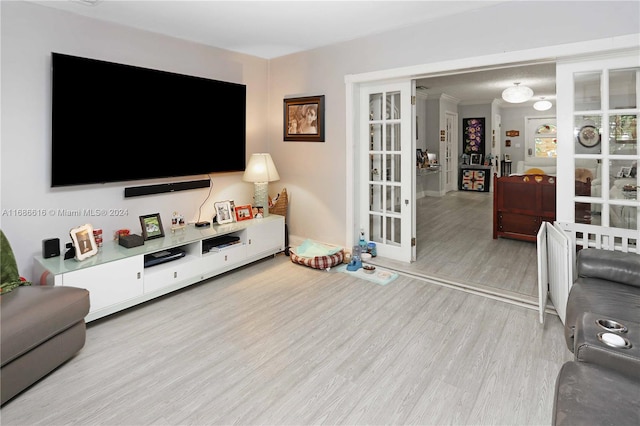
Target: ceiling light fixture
[(517, 94), (542, 105)]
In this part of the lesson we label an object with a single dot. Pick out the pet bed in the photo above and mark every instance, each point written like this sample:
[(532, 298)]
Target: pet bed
[(316, 255)]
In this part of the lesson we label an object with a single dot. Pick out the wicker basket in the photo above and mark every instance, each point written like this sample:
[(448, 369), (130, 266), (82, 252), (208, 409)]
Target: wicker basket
[(280, 207)]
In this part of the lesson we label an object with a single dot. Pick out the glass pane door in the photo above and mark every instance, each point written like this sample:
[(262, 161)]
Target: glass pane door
[(604, 143), (386, 199)]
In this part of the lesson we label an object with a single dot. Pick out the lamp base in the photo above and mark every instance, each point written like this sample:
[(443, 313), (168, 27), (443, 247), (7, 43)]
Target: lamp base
[(261, 196)]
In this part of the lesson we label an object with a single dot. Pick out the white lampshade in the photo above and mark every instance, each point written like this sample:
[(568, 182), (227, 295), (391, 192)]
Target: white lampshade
[(542, 105), (517, 94), (261, 171)]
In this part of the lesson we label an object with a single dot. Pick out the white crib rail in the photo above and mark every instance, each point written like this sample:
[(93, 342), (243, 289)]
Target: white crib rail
[(561, 259), (557, 246), (600, 237)]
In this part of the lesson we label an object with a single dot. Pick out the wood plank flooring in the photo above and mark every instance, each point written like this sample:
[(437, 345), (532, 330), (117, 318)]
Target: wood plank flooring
[(455, 243), (276, 343)]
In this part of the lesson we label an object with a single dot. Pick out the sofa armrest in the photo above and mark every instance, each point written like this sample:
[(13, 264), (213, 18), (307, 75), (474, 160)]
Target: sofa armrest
[(609, 265)]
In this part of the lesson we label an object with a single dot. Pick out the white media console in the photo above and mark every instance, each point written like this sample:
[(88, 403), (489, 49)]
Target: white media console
[(117, 279)]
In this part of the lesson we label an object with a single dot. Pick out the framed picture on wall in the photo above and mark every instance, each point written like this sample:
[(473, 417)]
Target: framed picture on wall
[(304, 119), (473, 135)]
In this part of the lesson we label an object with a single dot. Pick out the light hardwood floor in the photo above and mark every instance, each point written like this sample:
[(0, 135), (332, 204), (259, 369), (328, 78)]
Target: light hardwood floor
[(455, 244), (277, 343)]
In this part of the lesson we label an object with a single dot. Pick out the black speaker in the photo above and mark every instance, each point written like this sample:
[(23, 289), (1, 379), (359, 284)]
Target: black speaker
[(131, 241), (51, 248)]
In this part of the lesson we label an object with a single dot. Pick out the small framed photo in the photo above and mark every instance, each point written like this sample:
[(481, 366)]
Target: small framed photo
[(257, 211), (244, 213), (151, 226), (476, 159), (83, 241), (232, 205), (224, 213), (432, 159), (624, 172), (507, 158), (304, 119)]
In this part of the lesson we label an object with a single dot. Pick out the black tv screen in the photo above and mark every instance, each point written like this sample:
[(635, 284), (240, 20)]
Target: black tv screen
[(114, 122)]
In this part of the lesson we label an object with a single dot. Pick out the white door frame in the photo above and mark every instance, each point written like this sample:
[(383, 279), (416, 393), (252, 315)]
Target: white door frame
[(451, 139), (498, 60)]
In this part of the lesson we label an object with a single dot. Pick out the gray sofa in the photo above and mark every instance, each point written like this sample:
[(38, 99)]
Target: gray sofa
[(602, 384), (41, 327)]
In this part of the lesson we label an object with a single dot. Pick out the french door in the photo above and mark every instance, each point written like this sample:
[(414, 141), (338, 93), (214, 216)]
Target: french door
[(387, 169), (598, 109), (450, 160)]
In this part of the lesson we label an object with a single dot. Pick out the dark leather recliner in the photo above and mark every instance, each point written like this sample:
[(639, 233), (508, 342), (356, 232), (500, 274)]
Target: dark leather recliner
[(602, 384)]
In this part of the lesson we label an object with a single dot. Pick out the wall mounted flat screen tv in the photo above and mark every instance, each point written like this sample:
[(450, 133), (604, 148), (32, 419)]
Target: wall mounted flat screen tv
[(114, 123)]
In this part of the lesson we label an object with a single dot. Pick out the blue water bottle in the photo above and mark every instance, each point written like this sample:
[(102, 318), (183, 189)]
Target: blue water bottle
[(371, 248), (362, 243)]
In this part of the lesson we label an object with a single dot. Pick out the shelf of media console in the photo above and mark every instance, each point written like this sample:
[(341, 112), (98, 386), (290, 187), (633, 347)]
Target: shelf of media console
[(191, 239), (117, 278)]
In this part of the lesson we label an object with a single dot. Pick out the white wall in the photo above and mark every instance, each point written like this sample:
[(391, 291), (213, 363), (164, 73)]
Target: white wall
[(314, 173), (29, 34), (513, 118)]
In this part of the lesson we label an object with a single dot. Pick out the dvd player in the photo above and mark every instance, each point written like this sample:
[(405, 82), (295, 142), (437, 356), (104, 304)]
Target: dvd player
[(219, 242), (163, 256)]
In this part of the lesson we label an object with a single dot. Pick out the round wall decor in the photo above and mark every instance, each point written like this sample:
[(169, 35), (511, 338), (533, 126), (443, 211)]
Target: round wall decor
[(588, 136)]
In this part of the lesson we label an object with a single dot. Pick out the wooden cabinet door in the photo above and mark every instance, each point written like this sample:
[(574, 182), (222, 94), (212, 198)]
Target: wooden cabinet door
[(519, 225)]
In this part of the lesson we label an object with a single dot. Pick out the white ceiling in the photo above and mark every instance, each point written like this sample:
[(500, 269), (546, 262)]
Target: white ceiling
[(269, 29), (484, 86)]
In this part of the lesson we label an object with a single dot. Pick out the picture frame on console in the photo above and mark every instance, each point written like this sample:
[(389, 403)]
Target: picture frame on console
[(224, 213), (476, 159), (151, 226), (83, 241), (304, 119), (243, 212), (257, 211), (624, 172)]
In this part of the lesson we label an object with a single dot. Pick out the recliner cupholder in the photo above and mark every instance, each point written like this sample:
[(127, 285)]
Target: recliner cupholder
[(614, 340), (611, 325)]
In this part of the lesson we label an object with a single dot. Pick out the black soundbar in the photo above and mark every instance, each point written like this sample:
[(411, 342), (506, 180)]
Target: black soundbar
[(136, 191)]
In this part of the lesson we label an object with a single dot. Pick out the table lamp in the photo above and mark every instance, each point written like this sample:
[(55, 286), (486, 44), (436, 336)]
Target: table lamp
[(261, 170)]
